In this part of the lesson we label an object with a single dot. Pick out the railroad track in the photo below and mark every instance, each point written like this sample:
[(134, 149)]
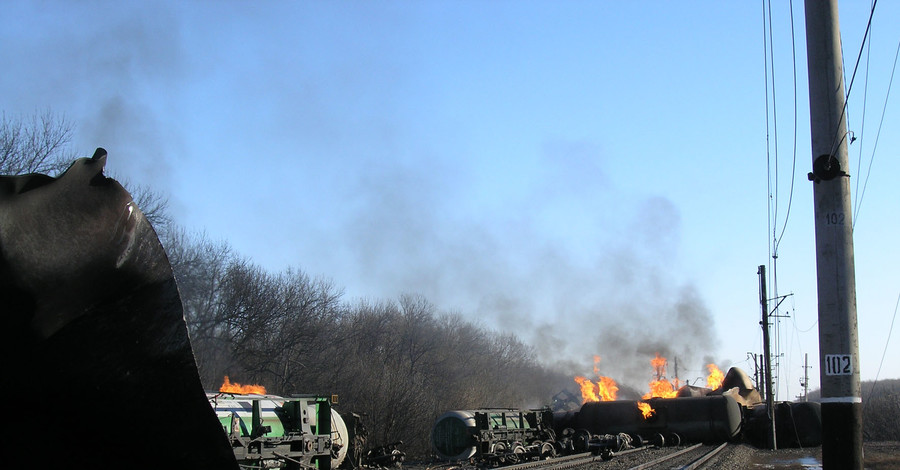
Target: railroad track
[(689, 458), (557, 463)]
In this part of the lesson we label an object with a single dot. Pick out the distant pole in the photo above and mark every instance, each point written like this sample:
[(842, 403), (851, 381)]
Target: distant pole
[(804, 382), (756, 376), (767, 355), (806, 377), (836, 284)]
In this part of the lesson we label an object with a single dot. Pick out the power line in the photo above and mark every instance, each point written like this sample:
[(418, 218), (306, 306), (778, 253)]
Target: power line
[(886, 344), (768, 145), (787, 216), (862, 130), (835, 142), (877, 136), (772, 158)]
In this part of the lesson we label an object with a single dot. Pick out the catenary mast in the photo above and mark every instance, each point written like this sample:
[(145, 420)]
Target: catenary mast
[(836, 284)]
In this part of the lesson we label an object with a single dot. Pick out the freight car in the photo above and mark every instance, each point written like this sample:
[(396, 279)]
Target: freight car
[(249, 419), (267, 431), (492, 437), (696, 419), (495, 436)]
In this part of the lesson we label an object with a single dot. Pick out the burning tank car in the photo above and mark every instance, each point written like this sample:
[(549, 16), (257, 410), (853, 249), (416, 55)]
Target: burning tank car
[(303, 431), (673, 420), (494, 437), (267, 431), (730, 414)]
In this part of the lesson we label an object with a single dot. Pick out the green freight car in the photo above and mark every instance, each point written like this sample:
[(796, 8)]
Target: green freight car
[(268, 431)]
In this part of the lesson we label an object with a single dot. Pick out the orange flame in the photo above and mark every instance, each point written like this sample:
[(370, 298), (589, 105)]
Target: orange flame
[(228, 387), (659, 365), (660, 387), (716, 377), (608, 389), (605, 389), (646, 410), (587, 389)]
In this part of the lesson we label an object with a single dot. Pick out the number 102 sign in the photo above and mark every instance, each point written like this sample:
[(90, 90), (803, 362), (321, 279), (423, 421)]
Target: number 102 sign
[(838, 364)]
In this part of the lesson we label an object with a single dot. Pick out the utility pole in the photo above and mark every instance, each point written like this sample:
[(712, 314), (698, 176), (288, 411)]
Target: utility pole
[(835, 271), (756, 378), (805, 382), (767, 356)]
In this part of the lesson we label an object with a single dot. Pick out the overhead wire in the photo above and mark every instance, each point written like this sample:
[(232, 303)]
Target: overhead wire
[(862, 128), (768, 145), (877, 136), (771, 58), (787, 215), (888, 342), (837, 141), (772, 163), (766, 22), (773, 280)]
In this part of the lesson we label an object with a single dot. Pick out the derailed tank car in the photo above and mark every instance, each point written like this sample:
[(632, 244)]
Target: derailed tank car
[(495, 436), (797, 424), (267, 431), (697, 419)]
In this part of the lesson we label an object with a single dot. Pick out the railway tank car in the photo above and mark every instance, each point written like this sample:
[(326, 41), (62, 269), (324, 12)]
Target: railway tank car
[(499, 435), (694, 419), (268, 431), (797, 424), (494, 437)]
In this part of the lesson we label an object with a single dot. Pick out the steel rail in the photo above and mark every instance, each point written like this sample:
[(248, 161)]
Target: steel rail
[(702, 460), (693, 465), (567, 461), (665, 458)]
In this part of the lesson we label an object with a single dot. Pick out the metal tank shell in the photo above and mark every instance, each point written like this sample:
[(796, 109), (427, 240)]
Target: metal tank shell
[(694, 419), (463, 434), (226, 405), (797, 424), (453, 435), (340, 438)]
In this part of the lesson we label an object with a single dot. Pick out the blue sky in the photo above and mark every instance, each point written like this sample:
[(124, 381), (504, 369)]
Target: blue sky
[(591, 176)]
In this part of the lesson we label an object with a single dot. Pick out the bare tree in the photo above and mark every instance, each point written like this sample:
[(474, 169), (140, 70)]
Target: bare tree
[(37, 145), (200, 264), (155, 207)]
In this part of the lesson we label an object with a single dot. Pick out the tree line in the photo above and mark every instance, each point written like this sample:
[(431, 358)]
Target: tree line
[(398, 362)]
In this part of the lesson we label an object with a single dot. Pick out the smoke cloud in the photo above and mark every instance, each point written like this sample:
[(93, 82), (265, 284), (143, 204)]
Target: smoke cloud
[(547, 243), (517, 267), (101, 71)]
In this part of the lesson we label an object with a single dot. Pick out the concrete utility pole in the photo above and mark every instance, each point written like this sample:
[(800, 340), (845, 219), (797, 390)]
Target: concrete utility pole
[(767, 356), (836, 284)]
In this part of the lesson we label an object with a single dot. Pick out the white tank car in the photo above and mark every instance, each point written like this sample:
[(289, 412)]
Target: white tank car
[(229, 405)]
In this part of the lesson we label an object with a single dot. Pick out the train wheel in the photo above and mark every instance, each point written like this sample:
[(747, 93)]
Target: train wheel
[(518, 452), (674, 439), (500, 452), (580, 439), (548, 451), (637, 440)]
